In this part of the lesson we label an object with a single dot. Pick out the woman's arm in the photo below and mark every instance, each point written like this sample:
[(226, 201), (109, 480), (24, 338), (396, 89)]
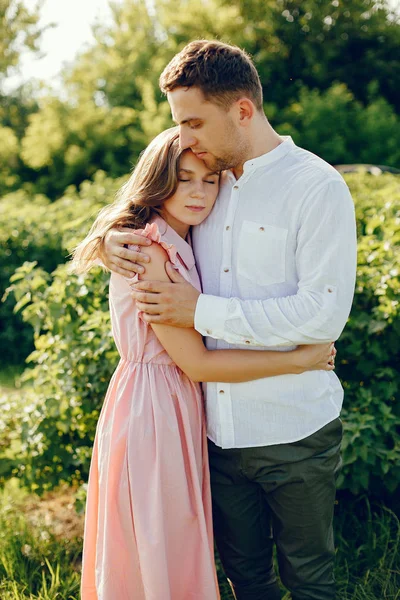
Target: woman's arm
[(186, 348)]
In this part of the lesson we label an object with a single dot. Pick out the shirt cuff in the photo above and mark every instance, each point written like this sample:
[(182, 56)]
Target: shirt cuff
[(210, 316)]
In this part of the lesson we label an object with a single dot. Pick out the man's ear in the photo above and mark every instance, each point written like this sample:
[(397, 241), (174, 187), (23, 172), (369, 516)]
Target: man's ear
[(246, 111)]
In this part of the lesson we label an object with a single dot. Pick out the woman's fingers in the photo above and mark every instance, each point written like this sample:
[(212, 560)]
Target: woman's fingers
[(332, 357)]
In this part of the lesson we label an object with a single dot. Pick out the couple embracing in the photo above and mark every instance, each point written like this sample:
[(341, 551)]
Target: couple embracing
[(232, 254)]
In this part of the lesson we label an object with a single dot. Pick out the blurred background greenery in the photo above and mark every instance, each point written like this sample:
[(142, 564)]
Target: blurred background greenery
[(330, 71)]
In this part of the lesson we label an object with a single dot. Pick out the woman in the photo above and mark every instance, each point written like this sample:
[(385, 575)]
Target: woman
[(148, 530)]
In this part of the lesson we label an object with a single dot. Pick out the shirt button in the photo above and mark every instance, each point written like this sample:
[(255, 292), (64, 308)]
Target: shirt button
[(221, 392), (226, 270), (208, 331), (330, 290), (247, 341), (227, 228), (262, 229), (235, 187)]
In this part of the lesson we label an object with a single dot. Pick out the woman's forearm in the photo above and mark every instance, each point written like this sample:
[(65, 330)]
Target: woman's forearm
[(237, 366), (187, 350)]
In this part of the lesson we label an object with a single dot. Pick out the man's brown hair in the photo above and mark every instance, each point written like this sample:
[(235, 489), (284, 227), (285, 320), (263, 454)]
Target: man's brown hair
[(222, 72)]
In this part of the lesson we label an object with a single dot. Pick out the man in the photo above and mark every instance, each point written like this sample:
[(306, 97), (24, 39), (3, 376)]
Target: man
[(277, 259)]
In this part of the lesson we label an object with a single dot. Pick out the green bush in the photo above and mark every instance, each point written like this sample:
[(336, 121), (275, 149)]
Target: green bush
[(27, 232), (33, 229), (74, 355), (55, 414), (50, 422), (369, 348)]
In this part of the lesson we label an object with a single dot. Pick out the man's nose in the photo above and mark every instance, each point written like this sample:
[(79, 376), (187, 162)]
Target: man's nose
[(186, 140)]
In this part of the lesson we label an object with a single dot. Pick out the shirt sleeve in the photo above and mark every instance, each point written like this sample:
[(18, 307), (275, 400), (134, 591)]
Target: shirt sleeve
[(326, 260)]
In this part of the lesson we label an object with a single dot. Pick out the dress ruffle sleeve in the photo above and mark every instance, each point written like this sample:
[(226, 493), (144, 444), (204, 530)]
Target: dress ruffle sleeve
[(152, 232)]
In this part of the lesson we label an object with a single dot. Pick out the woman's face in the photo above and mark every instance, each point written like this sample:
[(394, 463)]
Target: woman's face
[(195, 196)]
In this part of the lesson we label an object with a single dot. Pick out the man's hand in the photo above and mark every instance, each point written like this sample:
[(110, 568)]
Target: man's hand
[(120, 259), (167, 303)]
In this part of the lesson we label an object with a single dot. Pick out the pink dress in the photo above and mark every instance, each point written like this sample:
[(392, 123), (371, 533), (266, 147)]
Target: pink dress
[(148, 528)]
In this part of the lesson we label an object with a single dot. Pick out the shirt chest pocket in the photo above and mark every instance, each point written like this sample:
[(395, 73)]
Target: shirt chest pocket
[(261, 254)]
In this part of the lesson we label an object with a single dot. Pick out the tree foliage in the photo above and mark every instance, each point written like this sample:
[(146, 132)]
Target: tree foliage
[(335, 125), (18, 31), (319, 63), (309, 43)]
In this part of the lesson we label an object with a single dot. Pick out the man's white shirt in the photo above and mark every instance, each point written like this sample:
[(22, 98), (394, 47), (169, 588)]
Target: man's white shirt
[(277, 261)]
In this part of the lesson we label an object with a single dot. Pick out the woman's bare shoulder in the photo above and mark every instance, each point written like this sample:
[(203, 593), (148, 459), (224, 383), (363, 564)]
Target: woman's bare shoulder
[(155, 269)]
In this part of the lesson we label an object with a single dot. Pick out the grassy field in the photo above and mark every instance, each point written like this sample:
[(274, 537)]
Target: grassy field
[(41, 541)]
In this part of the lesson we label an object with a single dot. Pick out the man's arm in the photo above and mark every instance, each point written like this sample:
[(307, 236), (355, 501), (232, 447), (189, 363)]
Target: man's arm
[(187, 350), (326, 264)]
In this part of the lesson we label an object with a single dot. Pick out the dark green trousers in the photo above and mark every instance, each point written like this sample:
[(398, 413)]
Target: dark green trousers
[(284, 495)]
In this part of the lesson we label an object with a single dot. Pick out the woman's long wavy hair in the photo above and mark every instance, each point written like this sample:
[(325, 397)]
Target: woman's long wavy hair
[(152, 182)]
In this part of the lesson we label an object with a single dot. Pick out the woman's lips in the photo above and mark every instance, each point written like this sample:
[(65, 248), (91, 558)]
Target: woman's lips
[(196, 208)]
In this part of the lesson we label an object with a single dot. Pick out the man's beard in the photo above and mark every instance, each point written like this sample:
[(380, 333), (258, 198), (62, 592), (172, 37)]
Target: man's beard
[(234, 156), (235, 151), (217, 163)]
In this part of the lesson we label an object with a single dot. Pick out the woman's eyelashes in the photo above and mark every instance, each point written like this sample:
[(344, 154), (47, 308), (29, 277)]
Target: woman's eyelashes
[(205, 181)]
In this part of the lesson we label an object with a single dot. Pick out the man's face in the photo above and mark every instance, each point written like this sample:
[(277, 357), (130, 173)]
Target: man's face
[(209, 130)]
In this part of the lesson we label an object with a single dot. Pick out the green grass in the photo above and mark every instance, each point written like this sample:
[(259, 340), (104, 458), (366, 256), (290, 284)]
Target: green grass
[(35, 565), (368, 557)]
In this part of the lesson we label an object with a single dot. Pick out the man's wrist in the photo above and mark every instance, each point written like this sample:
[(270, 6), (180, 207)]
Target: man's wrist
[(210, 315)]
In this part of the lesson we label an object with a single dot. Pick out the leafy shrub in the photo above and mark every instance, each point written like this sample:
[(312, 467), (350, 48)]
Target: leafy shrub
[(369, 349), (75, 355), (26, 232), (33, 229), (73, 360)]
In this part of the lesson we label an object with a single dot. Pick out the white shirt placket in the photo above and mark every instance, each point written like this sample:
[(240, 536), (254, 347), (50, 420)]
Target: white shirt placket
[(227, 431)]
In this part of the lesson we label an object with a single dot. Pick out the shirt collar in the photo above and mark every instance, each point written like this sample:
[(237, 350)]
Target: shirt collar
[(268, 158), (170, 236)]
